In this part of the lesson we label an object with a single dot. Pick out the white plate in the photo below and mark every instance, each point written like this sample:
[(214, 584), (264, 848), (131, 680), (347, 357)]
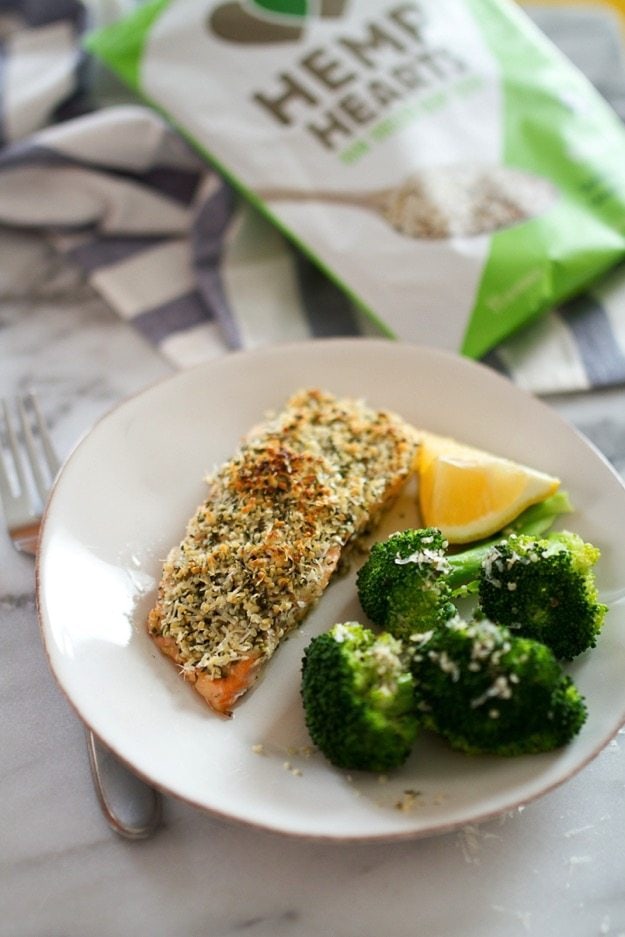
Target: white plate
[(123, 499)]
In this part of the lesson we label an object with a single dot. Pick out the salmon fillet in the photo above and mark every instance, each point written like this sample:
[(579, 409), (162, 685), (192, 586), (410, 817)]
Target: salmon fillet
[(278, 518)]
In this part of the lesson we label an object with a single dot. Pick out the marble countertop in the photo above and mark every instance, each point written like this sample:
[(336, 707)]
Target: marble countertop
[(556, 867)]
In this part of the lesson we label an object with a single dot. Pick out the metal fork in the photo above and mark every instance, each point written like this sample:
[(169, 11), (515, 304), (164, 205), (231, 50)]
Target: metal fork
[(131, 807)]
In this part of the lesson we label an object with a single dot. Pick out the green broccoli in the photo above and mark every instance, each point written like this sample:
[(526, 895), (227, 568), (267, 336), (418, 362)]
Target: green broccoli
[(409, 581), (535, 521), (402, 586), (358, 695), (544, 589), (488, 691)]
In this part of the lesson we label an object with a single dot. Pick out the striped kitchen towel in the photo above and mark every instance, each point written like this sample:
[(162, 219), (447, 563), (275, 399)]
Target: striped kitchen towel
[(171, 247)]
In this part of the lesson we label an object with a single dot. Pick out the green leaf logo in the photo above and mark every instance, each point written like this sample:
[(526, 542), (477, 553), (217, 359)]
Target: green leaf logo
[(285, 7), (259, 22)]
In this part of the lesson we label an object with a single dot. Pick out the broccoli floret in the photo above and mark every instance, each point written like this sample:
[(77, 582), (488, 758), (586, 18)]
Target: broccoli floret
[(544, 589), (409, 582), (402, 586), (535, 521), (488, 691), (358, 695)]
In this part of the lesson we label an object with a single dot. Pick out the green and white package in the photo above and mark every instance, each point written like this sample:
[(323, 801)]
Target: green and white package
[(439, 159)]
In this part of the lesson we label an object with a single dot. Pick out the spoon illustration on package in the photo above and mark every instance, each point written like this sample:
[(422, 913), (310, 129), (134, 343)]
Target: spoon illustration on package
[(441, 202)]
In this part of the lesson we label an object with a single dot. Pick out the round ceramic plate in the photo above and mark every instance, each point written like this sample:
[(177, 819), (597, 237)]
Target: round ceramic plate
[(124, 497)]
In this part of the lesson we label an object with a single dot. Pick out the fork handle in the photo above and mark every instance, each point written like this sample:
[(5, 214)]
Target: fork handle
[(131, 807)]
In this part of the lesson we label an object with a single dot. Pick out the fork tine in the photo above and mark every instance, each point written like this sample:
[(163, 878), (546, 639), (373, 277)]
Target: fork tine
[(29, 442), (6, 493), (41, 482), (54, 463), (15, 452)]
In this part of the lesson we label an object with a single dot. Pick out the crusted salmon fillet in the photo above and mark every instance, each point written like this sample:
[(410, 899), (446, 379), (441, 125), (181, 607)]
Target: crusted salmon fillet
[(261, 549)]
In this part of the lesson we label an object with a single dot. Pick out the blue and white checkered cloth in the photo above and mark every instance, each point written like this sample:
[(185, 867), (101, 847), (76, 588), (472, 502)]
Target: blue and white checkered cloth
[(171, 247)]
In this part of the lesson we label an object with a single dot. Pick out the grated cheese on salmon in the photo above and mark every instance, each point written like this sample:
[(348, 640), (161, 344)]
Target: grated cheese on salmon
[(262, 547)]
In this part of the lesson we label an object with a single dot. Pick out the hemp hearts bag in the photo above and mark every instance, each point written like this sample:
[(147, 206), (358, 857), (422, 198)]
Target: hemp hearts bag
[(439, 159)]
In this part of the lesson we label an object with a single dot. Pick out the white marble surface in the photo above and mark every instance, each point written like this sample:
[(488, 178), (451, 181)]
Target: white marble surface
[(554, 869)]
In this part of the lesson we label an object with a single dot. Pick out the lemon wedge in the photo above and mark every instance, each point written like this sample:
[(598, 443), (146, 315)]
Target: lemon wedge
[(469, 493)]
